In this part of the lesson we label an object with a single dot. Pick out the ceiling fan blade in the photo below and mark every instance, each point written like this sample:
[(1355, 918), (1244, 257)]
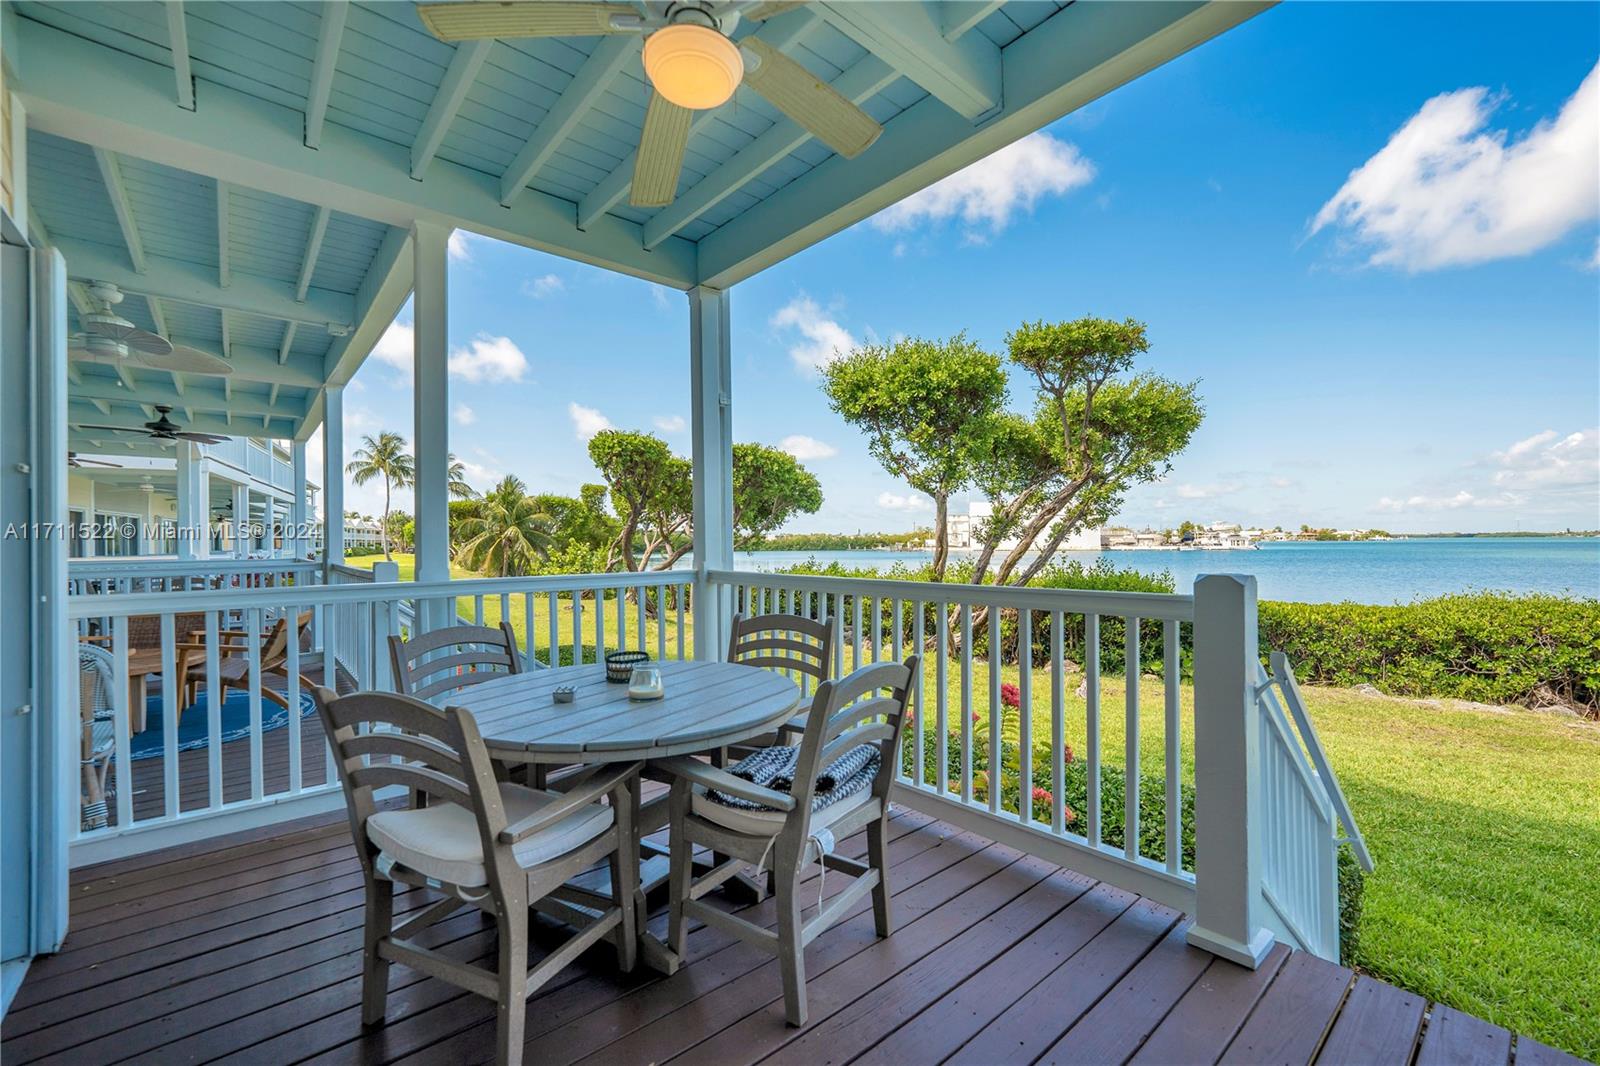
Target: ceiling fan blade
[(769, 9), (186, 360), (477, 21), (660, 157), (116, 429), (814, 104), (199, 438)]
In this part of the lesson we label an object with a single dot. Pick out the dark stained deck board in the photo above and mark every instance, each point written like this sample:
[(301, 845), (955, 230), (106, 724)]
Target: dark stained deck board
[(1454, 1038), (247, 948), (1378, 1026), (1204, 1022), (1294, 1015)]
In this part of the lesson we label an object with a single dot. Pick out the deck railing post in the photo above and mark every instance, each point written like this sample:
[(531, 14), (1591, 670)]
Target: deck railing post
[(711, 401), (1226, 811)]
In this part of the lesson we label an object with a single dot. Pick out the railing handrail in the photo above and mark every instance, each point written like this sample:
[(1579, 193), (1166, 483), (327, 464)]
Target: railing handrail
[(133, 603), (133, 566), (1163, 606)]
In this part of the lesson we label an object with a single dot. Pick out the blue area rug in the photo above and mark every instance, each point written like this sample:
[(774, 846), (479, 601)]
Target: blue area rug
[(193, 729)]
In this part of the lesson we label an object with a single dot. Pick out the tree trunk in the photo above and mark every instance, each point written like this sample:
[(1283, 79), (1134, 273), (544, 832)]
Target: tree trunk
[(383, 530), (941, 529)]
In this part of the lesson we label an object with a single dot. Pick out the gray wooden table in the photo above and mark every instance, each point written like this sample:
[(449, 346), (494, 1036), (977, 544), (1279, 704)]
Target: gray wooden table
[(706, 706)]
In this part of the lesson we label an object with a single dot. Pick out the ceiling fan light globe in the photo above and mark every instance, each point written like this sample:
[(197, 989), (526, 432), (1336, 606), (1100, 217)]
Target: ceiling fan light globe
[(693, 66)]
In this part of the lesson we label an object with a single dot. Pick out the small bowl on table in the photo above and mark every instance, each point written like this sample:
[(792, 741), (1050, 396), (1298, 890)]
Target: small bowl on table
[(621, 664)]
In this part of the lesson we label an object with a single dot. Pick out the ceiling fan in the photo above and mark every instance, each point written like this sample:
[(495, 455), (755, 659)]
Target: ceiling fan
[(107, 337), (163, 428), (73, 460), (691, 62)]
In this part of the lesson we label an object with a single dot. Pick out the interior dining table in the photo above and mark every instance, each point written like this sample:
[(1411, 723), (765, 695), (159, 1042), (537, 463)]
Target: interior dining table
[(705, 707)]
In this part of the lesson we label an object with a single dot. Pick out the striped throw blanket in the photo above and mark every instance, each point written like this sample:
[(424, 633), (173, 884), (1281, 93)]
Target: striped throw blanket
[(852, 772)]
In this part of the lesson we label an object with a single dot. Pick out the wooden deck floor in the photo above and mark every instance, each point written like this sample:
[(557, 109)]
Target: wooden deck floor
[(246, 949)]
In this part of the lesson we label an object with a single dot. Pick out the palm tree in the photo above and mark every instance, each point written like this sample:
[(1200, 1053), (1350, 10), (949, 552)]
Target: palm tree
[(457, 477), (504, 532), (384, 456)]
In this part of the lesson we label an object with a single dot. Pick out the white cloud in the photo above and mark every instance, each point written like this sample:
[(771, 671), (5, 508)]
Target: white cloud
[(1448, 502), (1208, 492), (1545, 474), (891, 501), (544, 285), (803, 447), (460, 246), (586, 421), (1448, 191), (987, 195), (463, 415), (489, 358), (821, 337), (1548, 460), (394, 347), (478, 475), (670, 423)]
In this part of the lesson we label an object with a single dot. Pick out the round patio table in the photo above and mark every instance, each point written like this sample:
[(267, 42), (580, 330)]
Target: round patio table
[(705, 706)]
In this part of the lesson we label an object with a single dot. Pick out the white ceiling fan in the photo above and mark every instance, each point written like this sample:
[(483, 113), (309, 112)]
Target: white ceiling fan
[(691, 62), (107, 337)]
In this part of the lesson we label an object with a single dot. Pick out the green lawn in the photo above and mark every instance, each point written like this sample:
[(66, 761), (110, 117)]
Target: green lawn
[(1485, 825)]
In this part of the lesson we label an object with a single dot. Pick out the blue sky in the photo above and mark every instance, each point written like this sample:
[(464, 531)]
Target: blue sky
[(1403, 334)]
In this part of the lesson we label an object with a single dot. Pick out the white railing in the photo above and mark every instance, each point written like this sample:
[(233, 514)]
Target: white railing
[(1303, 808), (107, 576), (254, 761), (966, 705)]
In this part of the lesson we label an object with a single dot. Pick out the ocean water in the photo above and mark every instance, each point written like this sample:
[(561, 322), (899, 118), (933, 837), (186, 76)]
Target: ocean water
[(1382, 572)]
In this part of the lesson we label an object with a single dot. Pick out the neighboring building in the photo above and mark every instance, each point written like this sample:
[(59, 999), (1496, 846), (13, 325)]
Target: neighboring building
[(964, 532), (128, 505)]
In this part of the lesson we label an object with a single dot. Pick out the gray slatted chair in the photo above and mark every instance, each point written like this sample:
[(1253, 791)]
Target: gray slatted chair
[(844, 714), (494, 845), (791, 643)]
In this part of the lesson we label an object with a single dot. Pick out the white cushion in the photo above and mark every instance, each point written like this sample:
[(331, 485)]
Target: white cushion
[(769, 823), (441, 840)]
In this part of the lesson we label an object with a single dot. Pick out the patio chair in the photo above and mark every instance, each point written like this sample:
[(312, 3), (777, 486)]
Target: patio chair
[(751, 822), (233, 666), (494, 845), (789, 643), (96, 711)]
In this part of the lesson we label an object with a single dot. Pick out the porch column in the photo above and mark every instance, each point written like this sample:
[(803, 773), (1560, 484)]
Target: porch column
[(1227, 847), (332, 477), (241, 521), (431, 402), (91, 547), (193, 513), (711, 406), (298, 511)]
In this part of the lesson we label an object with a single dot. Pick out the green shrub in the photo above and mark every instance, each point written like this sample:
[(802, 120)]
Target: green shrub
[(1352, 882), (1485, 646)]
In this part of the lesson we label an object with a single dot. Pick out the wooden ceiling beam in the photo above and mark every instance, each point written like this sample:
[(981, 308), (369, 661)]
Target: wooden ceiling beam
[(447, 100), (111, 176), (178, 42), (329, 36)]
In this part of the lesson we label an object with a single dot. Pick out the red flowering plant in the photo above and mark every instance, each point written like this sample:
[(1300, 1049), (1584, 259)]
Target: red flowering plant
[(1010, 695)]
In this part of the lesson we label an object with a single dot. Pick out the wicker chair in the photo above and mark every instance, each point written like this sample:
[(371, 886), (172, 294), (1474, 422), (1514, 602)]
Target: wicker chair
[(485, 843), (96, 711), (794, 828)]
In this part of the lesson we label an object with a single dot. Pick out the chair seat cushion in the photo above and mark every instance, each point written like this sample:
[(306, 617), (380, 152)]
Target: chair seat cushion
[(441, 840), (769, 822)]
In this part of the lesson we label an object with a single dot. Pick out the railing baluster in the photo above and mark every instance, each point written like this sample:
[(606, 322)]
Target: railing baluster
[(577, 627), (838, 634), (213, 670), (1173, 735), (941, 712), (122, 711), (997, 710), (528, 658), (877, 629), (477, 611), (552, 651), (638, 623), (966, 703), (292, 697), (330, 677), (1058, 723), (861, 624), (171, 693), (253, 642), (1025, 713), (1091, 716), (681, 597), (600, 625), (1130, 745), (918, 721)]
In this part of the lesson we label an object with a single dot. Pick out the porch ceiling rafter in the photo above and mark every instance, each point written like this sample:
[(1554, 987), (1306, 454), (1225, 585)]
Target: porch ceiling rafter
[(308, 260), (287, 344), (330, 34), (178, 42), (195, 398), (183, 281), (959, 16), (963, 72), (223, 271), (782, 33), (111, 175), (447, 101), (1075, 56), (592, 79), (83, 91)]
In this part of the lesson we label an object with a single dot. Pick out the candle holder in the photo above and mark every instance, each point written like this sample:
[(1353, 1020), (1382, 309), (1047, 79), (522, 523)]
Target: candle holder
[(620, 665)]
